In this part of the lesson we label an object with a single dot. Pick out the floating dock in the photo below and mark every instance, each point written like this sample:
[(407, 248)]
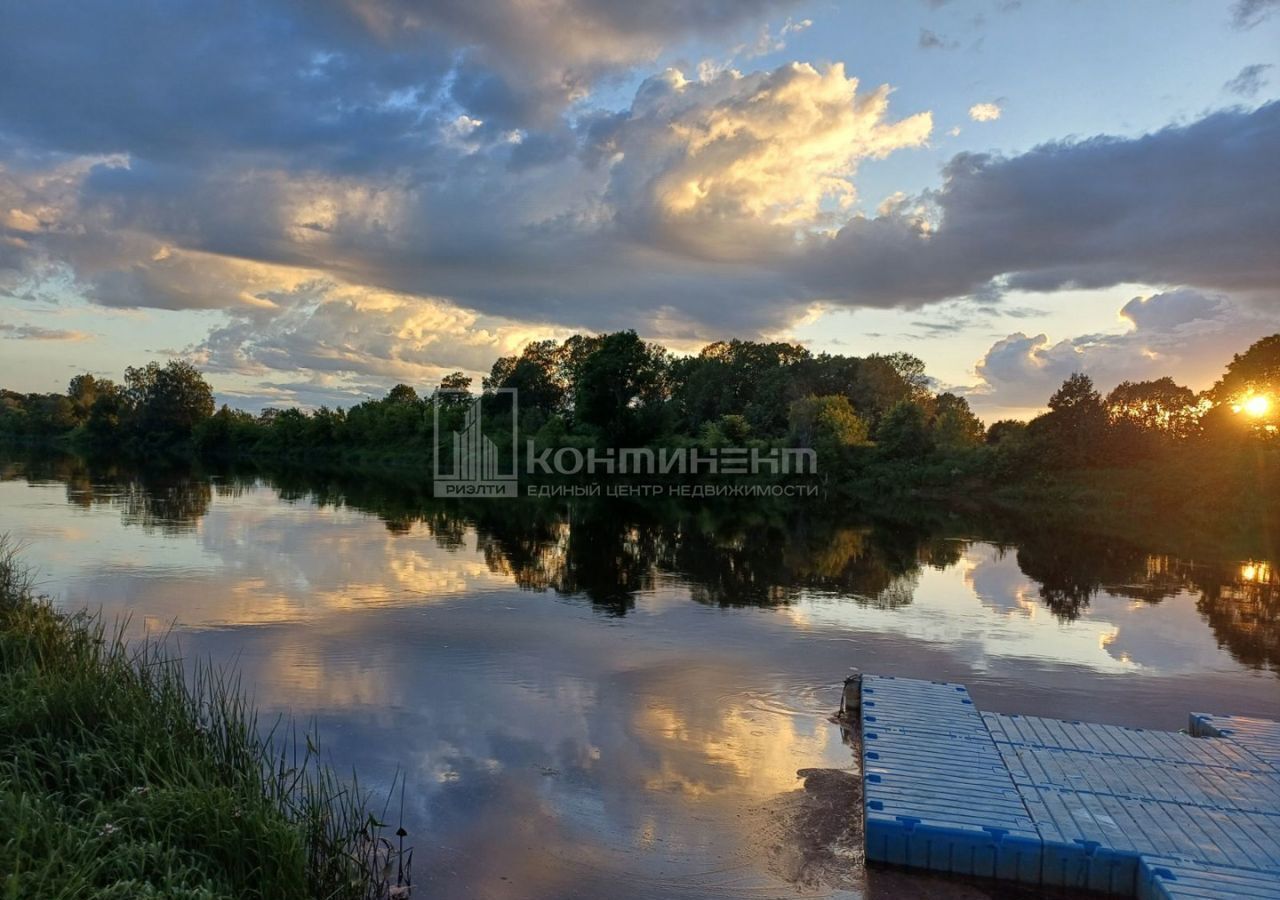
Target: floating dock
[(1150, 814)]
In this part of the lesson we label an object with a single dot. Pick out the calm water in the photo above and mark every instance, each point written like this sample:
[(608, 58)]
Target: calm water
[(599, 700)]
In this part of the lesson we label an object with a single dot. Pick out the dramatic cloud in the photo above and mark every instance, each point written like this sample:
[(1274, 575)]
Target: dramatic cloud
[(984, 112), (1249, 81), (378, 189), (351, 83), (1183, 331), (1196, 205), (731, 167), (657, 223)]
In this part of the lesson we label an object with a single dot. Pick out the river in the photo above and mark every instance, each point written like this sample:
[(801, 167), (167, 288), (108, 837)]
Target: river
[(593, 699)]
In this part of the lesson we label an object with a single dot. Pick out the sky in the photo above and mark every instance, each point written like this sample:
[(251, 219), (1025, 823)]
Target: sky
[(315, 201)]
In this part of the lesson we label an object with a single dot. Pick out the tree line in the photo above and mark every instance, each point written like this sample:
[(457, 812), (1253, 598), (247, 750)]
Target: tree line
[(618, 390)]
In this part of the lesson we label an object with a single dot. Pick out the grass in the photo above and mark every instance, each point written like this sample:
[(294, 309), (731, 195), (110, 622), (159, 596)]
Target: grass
[(121, 777)]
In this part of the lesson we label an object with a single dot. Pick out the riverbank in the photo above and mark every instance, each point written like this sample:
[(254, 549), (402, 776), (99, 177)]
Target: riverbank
[(121, 777)]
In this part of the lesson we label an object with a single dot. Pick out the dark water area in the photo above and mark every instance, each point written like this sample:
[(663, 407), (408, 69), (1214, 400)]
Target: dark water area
[(603, 699)]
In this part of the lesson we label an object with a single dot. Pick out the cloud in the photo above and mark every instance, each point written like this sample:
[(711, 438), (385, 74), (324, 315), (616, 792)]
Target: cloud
[(342, 334), (190, 81), (984, 112), (1192, 205), (1160, 313), (1249, 81), (525, 62), (1183, 332), (1246, 14), (36, 333), (727, 167), (931, 40), (766, 42), (297, 166), (351, 83)]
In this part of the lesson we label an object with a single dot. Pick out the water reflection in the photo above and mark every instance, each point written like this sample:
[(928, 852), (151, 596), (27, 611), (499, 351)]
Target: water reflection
[(623, 700), (610, 553)]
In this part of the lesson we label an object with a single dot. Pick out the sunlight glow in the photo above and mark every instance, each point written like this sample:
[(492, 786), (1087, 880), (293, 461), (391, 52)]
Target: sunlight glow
[(1256, 406), (1251, 571)]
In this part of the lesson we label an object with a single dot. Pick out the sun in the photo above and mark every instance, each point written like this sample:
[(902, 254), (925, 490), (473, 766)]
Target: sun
[(1257, 405)]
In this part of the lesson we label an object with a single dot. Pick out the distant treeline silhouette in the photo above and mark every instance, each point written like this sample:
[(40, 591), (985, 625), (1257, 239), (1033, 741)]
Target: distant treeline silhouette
[(873, 420)]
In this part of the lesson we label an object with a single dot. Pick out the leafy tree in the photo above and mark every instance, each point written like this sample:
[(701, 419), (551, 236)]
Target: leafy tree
[(736, 429), (910, 369), (1146, 414), (455, 390), (954, 425), (904, 432), (456, 381), (1006, 430), (1074, 431), (1256, 371), (104, 424), (167, 402), (405, 395), (227, 431), (829, 425), (1012, 450), (13, 414), (755, 380), (617, 384), (883, 382), (49, 415), (83, 391), (1248, 394), (538, 374), (726, 431)]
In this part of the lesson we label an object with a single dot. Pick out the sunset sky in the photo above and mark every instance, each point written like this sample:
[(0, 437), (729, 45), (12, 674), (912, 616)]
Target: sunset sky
[(314, 201)]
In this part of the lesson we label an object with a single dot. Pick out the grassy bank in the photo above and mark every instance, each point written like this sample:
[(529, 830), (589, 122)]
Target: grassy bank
[(121, 778)]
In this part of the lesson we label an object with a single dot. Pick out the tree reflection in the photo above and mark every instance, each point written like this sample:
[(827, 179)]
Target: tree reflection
[(608, 551), (1242, 606), (171, 500)]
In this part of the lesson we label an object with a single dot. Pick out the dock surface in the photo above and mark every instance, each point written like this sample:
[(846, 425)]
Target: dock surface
[(1127, 811)]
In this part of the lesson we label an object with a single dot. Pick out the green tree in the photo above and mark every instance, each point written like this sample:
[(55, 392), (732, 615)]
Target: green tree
[(1146, 415), (904, 432), (1256, 371), (106, 416), (954, 425), (1074, 431), (1247, 397), (404, 395), (227, 431), (83, 391), (537, 374), (883, 382), (1006, 430), (747, 378), (829, 426), (455, 390), (617, 385), (167, 402)]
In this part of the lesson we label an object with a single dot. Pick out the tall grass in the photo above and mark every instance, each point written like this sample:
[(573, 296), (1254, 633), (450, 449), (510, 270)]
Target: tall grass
[(122, 777)]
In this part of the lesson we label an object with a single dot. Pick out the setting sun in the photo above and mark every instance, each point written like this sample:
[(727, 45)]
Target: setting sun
[(1257, 406)]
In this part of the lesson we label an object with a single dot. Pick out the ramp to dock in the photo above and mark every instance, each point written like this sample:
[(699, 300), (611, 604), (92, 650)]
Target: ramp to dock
[(1126, 811)]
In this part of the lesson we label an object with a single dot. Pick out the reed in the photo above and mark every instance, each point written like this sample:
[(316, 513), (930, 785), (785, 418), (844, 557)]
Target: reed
[(124, 774)]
